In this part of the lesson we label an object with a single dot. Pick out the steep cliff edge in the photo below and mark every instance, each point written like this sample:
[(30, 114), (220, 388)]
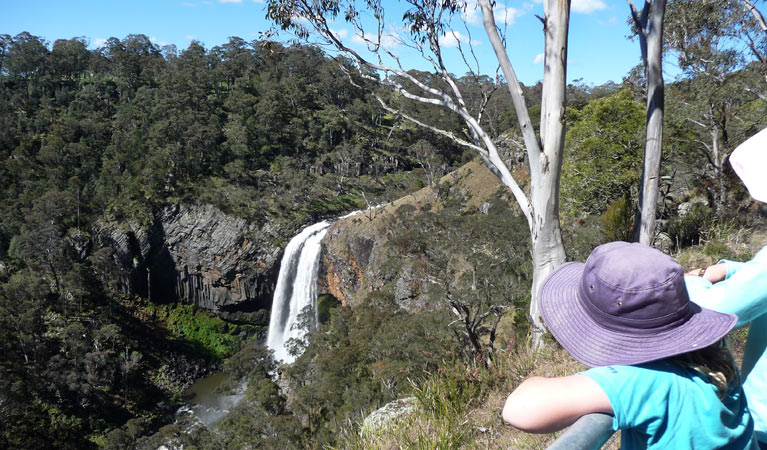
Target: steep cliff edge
[(364, 253), (198, 255)]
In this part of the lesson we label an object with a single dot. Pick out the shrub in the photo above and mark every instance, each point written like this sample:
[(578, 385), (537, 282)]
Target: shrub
[(618, 220), (325, 304), (686, 230), (582, 236)]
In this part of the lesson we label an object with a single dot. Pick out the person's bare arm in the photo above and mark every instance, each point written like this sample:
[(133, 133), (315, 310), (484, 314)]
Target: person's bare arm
[(714, 274), (544, 405)]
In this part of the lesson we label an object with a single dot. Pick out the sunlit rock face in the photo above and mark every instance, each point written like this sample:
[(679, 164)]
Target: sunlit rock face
[(368, 253), (359, 258)]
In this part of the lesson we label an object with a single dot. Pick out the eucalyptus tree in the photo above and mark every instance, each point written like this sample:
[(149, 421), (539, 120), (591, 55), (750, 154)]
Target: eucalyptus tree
[(69, 59), (428, 26), (25, 58), (135, 61), (751, 30), (648, 25), (603, 160), (717, 43)]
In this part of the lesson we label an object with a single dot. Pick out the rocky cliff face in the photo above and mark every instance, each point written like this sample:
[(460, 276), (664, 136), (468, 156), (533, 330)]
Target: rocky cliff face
[(198, 255), (361, 255), (346, 271)]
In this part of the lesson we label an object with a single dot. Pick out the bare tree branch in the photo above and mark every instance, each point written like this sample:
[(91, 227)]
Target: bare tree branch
[(757, 15), (432, 128), (428, 20), (517, 96)]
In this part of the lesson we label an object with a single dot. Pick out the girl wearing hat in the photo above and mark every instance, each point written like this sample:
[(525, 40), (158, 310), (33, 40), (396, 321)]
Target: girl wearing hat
[(658, 362)]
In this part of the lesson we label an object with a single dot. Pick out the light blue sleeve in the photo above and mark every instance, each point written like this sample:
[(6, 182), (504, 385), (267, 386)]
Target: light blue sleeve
[(743, 292)]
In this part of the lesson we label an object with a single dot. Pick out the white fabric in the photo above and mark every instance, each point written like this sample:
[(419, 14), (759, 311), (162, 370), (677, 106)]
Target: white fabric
[(749, 161)]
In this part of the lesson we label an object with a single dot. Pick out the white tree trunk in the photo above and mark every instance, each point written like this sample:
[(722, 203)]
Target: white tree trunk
[(718, 157), (545, 155), (541, 208), (651, 44)]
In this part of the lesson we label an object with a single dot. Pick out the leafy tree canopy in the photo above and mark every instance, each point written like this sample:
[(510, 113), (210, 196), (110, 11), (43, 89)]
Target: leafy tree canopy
[(603, 161)]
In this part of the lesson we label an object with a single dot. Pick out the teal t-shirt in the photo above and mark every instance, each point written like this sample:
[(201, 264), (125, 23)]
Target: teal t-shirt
[(660, 405)]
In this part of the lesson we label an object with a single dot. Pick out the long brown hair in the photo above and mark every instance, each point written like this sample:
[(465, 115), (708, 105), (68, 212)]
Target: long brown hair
[(715, 362)]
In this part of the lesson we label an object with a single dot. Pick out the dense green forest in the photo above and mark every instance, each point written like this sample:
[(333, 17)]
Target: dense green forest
[(277, 134), (113, 134), (265, 132)]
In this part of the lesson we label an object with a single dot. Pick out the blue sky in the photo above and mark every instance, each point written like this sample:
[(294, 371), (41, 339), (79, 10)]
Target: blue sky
[(599, 48)]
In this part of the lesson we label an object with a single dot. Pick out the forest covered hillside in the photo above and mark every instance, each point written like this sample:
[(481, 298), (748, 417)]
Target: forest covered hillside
[(147, 195)]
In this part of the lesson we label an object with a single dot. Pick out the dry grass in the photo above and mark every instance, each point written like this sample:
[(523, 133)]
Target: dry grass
[(474, 177), (721, 241), (479, 426)]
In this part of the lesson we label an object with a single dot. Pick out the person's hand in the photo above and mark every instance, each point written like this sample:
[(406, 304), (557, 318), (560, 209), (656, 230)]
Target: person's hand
[(714, 273)]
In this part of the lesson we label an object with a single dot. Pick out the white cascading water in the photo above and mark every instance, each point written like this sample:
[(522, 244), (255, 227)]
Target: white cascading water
[(296, 289)]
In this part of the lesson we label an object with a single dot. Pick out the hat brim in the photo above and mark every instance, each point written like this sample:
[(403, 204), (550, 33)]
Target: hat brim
[(593, 345)]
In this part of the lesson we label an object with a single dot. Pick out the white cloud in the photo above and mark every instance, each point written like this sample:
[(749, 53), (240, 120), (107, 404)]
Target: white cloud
[(611, 21), (258, 1), (588, 6), (230, 1), (99, 42), (473, 14), (154, 40), (340, 34), (389, 40), (538, 58), (452, 38), (506, 15), (189, 36)]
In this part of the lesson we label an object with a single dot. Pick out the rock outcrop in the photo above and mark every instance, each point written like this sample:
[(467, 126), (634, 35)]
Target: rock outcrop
[(389, 414), (198, 255), (359, 256)]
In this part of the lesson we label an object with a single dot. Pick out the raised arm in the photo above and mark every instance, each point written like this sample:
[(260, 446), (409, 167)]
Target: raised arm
[(738, 288), (544, 405)]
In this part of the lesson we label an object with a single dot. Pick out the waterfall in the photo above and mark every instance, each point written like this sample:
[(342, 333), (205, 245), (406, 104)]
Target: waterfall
[(296, 289)]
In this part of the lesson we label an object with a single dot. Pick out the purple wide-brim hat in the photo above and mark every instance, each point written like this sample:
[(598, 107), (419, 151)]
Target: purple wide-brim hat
[(626, 305)]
